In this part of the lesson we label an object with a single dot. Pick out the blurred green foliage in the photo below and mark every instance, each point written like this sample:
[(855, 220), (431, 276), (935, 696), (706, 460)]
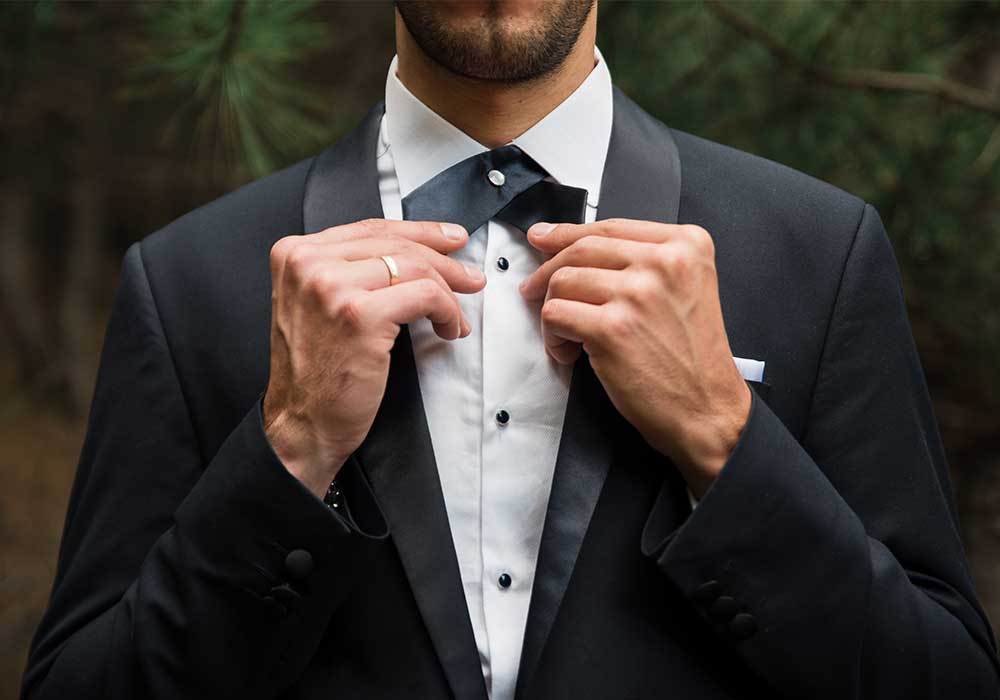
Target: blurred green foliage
[(116, 117), (231, 65), (242, 81), (928, 165)]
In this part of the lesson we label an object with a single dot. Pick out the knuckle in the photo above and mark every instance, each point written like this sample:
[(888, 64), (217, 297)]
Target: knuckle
[(426, 290), (561, 279), (587, 244), (455, 267), (639, 288), (618, 323), (330, 232), (421, 267), (379, 345), (694, 231), (320, 285), (349, 311), (669, 259), (297, 260), (401, 244), (428, 229), (281, 247), (374, 225), (551, 310), (701, 239)]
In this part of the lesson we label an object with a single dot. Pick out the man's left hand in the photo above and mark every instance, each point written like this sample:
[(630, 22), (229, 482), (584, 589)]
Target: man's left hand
[(642, 299)]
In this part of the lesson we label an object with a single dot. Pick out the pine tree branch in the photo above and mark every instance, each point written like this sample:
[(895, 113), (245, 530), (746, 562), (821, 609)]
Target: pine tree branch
[(234, 26), (876, 80)]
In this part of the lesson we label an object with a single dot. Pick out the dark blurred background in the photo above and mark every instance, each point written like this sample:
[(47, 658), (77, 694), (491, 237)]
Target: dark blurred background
[(115, 118)]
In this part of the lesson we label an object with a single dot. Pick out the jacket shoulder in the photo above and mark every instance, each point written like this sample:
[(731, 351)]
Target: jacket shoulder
[(239, 223), (769, 221), (210, 280), (728, 176)]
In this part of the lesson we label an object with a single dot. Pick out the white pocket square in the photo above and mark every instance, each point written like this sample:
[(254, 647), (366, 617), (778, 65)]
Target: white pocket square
[(751, 370)]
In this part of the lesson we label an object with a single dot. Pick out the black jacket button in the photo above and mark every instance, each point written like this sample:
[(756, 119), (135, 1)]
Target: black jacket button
[(723, 609), (298, 564), (742, 626), (707, 592)]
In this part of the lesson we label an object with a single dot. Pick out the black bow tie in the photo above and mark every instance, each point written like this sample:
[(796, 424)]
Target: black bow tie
[(504, 184)]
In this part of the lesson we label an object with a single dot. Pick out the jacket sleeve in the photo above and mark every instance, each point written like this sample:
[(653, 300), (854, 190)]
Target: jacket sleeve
[(181, 577), (833, 564)]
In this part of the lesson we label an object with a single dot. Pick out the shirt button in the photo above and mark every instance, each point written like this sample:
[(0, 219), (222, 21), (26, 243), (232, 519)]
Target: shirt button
[(496, 177), (502, 417), (502, 263), (504, 580)]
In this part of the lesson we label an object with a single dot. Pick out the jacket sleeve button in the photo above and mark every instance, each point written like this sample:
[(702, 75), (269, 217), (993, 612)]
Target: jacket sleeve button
[(723, 609), (742, 626), (707, 592), (298, 564)]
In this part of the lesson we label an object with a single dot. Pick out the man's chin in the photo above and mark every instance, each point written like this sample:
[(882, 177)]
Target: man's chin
[(505, 41)]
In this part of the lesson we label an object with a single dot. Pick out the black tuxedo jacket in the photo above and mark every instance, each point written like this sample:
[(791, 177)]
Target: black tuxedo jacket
[(825, 562)]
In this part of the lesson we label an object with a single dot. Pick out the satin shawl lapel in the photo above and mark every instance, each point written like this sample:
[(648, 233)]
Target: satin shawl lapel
[(641, 181), (397, 456)]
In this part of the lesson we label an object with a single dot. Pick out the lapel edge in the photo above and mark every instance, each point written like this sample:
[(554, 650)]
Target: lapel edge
[(335, 194), (639, 181)]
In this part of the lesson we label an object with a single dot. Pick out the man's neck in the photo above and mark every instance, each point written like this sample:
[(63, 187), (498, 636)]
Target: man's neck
[(491, 112)]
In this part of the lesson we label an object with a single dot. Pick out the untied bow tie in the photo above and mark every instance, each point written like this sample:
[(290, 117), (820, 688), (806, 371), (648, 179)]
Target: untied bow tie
[(505, 184)]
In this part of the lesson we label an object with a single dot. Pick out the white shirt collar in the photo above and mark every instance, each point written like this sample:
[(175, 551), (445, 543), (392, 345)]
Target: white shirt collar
[(570, 142)]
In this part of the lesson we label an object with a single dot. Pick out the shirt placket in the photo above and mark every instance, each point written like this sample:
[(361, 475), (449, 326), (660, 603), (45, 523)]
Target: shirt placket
[(506, 579)]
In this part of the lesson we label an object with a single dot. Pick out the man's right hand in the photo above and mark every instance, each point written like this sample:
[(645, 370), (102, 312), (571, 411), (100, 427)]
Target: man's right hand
[(334, 319)]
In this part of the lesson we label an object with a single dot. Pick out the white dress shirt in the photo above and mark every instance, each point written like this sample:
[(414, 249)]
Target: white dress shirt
[(495, 477)]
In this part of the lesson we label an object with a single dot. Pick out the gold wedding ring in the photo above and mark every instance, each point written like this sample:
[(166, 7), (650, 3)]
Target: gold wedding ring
[(393, 268)]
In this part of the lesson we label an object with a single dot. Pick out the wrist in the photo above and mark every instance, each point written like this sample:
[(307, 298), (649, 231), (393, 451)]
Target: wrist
[(305, 457), (711, 441)]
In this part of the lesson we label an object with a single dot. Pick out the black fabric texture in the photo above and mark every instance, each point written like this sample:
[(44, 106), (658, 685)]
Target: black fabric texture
[(832, 527)]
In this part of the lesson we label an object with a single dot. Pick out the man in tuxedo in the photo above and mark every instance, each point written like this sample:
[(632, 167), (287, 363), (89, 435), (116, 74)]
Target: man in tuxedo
[(546, 400)]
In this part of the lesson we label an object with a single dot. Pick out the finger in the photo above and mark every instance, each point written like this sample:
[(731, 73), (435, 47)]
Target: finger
[(372, 273), (590, 251), (552, 238), (593, 285), (442, 237), (567, 321), (460, 277), (280, 253), (590, 285), (408, 301), (565, 352)]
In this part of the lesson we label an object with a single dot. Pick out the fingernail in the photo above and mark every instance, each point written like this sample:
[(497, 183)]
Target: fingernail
[(541, 228), (453, 232), (473, 271), (466, 328)]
